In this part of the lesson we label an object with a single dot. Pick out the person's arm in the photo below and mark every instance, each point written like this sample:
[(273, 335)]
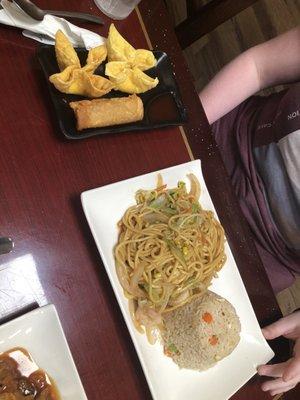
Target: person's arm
[(285, 375), (271, 63)]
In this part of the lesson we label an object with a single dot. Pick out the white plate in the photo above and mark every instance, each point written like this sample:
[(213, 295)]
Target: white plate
[(40, 332), (103, 208)]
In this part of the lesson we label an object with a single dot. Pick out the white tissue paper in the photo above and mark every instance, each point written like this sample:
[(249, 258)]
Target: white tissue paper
[(44, 31)]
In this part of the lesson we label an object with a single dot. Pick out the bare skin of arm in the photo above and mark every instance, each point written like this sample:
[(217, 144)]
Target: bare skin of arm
[(271, 63)]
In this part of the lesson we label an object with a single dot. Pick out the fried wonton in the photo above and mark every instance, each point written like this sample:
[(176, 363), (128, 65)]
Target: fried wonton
[(126, 64), (74, 79), (127, 79)]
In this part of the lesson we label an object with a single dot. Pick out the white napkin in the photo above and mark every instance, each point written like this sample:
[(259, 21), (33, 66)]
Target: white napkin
[(44, 31)]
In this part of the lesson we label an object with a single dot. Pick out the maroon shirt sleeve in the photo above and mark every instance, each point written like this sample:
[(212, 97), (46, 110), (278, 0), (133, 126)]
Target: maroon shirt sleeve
[(235, 135)]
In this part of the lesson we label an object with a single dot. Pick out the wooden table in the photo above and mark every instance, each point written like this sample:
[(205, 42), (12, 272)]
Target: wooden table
[(42, 175)]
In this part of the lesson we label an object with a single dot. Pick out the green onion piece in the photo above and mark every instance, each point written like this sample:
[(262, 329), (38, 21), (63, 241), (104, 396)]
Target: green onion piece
[(173, 348), (195, 207)]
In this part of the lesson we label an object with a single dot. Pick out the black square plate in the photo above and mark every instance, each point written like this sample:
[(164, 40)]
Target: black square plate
[(163, 105)]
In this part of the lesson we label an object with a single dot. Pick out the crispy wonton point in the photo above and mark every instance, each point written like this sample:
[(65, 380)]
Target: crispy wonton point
[(65, 53)]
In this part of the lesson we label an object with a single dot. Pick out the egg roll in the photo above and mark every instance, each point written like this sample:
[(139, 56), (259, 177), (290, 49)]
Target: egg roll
[(98, 113)]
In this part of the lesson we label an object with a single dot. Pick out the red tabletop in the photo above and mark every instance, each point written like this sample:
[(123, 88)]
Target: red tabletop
[(42, 175)]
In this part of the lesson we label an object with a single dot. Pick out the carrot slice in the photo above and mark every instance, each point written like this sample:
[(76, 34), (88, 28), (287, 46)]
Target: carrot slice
[(207, 317), (213, 340), (167, 352)]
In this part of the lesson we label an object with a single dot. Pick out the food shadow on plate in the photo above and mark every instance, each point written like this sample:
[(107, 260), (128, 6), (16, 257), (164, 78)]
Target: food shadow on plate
[(163, 104)]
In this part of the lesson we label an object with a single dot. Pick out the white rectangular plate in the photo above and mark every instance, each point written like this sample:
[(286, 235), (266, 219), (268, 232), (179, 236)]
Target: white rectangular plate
[(103, 208), (40, 332)]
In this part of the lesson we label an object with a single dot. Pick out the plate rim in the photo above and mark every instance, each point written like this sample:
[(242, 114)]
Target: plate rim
[(129, 325), (49, 309)]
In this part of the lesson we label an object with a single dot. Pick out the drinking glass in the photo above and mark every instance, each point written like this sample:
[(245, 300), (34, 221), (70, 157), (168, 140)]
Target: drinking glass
[(116, 9)]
